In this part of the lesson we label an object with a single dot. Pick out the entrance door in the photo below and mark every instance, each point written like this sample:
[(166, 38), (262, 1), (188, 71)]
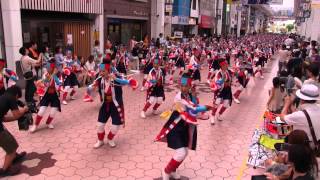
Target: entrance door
[(79, 35), (114, 33)]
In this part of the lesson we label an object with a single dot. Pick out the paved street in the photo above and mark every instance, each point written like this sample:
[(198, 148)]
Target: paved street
[(67, 151)]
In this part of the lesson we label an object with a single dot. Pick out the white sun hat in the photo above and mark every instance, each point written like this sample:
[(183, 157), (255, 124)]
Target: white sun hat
[(308, 92)]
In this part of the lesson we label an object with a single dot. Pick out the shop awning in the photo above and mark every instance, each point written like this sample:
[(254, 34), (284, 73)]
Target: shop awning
[(206, 22)]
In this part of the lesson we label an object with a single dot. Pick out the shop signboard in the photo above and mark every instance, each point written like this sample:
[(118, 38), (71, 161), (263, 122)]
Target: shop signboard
[(178, 34), (206, 21), (182, 20)]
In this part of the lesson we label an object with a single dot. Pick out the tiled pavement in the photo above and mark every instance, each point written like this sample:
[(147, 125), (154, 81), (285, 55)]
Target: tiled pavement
[(66, 152)]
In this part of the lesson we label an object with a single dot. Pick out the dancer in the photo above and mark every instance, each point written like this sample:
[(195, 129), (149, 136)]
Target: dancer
[(242, 79), (110, 86), (180, 131), (222, 91), (155, 92), (147, 68), (70, 83), (259, 63), (51, 84), (8, 77)]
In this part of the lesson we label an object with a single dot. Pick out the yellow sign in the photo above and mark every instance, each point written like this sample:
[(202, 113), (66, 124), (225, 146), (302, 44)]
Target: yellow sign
[(229, 1)]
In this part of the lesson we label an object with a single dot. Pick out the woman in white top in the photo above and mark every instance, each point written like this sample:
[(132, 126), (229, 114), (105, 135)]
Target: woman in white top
[(90, 71), (27, 65)]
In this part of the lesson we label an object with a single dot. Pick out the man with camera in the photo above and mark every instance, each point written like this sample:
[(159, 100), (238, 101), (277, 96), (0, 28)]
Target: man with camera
[(8, 101), (27, 65), (306, 118)]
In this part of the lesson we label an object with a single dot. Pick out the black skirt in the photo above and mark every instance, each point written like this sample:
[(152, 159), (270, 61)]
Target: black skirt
[(180, 63), (147, 68), (71, 80), (226, 93), (107, 110), (50, 99), (156, 91), (196, 75)]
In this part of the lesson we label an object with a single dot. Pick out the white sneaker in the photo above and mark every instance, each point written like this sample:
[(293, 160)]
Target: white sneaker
[(165, 176), (262, 77), (175, 175), (64, 102), (218, 117), (208, 81), (33, 128), (73, 98), (212, 119), (98, 144), (111, 143), (142, 89), (236, 100), (143, 114), (50, 126)]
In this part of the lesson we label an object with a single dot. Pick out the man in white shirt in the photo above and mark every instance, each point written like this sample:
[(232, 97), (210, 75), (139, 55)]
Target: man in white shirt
[(308, 95), (283, 57)]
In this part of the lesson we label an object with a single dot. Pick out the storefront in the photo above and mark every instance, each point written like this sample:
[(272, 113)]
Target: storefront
[(181, 18), (125, 19), (206, 25), (71, 31), (75, 24)]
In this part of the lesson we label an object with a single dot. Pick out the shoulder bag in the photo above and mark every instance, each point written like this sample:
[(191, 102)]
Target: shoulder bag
[(313, 134), (27, 75)]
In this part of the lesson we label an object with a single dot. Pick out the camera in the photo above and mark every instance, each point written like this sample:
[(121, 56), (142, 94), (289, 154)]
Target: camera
[(26, 120)]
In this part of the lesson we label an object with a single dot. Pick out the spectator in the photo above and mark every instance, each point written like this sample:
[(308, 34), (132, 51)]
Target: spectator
[(46, 58), (277, 94), (282, 58), (96, 48), (312, 72), (304, 164), (132, 43), (308, 96), (27, 65), (294, 66), (34, 54), (59, 59), (158, 44), (278, 165), (89, 68), (8, 101)]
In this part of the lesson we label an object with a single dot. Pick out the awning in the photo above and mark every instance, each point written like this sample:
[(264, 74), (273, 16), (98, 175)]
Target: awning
[(206, 22)]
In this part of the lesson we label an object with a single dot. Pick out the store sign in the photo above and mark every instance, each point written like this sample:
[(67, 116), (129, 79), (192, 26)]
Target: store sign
[(192, 21), (140, 13), (178, 34), (183, 20), (206, 21)]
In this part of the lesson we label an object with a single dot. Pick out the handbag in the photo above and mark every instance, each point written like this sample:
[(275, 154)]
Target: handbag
[(26, 75), (313, 134)]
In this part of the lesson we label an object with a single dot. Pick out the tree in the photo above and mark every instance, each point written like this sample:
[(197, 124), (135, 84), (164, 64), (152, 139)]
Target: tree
[(289, 27)]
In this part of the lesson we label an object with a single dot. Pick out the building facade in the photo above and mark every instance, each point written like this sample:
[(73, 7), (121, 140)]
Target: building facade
[(207, 16), (127, 18), (307, 13), (68, 23)]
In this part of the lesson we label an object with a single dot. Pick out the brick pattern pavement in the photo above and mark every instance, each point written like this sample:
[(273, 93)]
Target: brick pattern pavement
[(220, 153)]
